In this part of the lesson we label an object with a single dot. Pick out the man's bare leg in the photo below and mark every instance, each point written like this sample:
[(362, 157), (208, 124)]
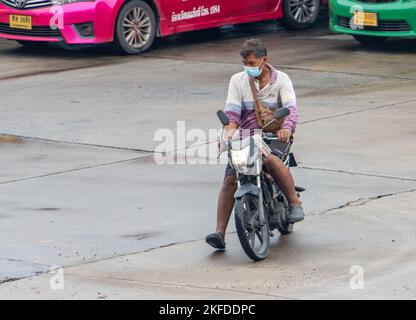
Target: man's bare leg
[(225, 203), (283, 178), (285, 181), (224, 208)]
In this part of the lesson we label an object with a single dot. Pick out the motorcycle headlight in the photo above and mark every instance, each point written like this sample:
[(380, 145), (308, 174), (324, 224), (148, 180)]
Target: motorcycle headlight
[(244, 163)]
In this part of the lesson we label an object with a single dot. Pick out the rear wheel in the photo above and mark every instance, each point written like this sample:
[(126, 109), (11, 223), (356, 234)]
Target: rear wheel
[(254, 237), (300, 14), (283, 226), (368, 40), (135, 28)]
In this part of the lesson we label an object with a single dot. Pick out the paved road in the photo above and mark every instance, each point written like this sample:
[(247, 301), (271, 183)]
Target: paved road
[(79, 187)]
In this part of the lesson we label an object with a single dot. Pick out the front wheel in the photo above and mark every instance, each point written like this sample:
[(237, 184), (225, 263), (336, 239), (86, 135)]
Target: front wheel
[(254, 237), (369, 40), (135, 28), (300, 14)]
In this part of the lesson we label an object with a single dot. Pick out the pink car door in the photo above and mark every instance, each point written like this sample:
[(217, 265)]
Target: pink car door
[(214, 10), (179, 13), (252, 7), (186, 15)]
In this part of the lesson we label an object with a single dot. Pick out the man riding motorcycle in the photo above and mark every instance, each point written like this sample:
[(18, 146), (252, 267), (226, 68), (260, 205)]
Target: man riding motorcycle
[(275, 90)]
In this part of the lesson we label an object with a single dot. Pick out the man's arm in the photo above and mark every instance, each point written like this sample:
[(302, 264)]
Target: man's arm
[(288, 97), (233, 107)]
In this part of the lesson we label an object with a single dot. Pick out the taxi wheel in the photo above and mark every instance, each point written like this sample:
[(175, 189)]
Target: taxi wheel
[(368, 40), (300, 14), (135, 28)]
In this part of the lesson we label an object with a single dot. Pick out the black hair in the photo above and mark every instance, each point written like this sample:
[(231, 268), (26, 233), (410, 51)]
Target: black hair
[(254, 46)]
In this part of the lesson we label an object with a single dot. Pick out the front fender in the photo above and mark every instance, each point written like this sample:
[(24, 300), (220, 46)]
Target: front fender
[(247, 188)]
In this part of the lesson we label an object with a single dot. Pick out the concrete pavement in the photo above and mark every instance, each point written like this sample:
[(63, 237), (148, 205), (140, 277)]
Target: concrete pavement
[(317, 262)]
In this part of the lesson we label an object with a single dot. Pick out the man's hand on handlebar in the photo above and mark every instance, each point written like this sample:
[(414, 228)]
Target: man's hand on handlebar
[(283, 135), (228, 135), (230, 130)]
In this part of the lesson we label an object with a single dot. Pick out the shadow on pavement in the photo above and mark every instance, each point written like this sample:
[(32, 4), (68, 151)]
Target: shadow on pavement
[(400, 46), (62, 51)]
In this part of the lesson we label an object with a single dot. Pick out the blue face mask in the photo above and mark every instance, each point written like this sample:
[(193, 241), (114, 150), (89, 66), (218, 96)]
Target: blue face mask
[(253, 71)]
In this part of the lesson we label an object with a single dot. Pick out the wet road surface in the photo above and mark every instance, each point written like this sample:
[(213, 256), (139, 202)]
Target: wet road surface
[(80, 189)]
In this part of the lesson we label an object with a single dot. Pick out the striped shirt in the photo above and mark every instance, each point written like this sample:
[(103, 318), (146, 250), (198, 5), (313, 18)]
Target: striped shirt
[(278, 93)]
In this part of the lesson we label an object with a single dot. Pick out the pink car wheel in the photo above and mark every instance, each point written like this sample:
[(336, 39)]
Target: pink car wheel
[(135, 27)]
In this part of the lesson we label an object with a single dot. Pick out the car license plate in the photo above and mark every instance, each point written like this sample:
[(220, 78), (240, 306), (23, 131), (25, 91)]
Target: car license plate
[(365, 19), (20, 22)]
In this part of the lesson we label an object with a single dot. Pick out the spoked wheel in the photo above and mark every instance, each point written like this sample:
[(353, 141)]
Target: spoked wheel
[(254, 237), (135, 28), (300, 14)]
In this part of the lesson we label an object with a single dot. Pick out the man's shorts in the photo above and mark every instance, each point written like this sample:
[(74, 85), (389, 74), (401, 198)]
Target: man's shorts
[(279, 149)]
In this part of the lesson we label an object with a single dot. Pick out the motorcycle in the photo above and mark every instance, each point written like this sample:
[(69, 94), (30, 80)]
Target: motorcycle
[(258, 197)]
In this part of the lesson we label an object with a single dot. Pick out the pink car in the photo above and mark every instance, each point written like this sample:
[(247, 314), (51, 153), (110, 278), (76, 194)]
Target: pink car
[(132, 25)]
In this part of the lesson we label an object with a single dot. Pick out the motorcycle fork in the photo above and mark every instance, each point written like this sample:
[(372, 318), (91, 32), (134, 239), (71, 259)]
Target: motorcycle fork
[(261, 204), (262, 217)]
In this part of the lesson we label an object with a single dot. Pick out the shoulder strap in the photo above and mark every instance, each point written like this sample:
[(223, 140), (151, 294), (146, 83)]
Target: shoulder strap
[(257, 106), (253, 88)]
